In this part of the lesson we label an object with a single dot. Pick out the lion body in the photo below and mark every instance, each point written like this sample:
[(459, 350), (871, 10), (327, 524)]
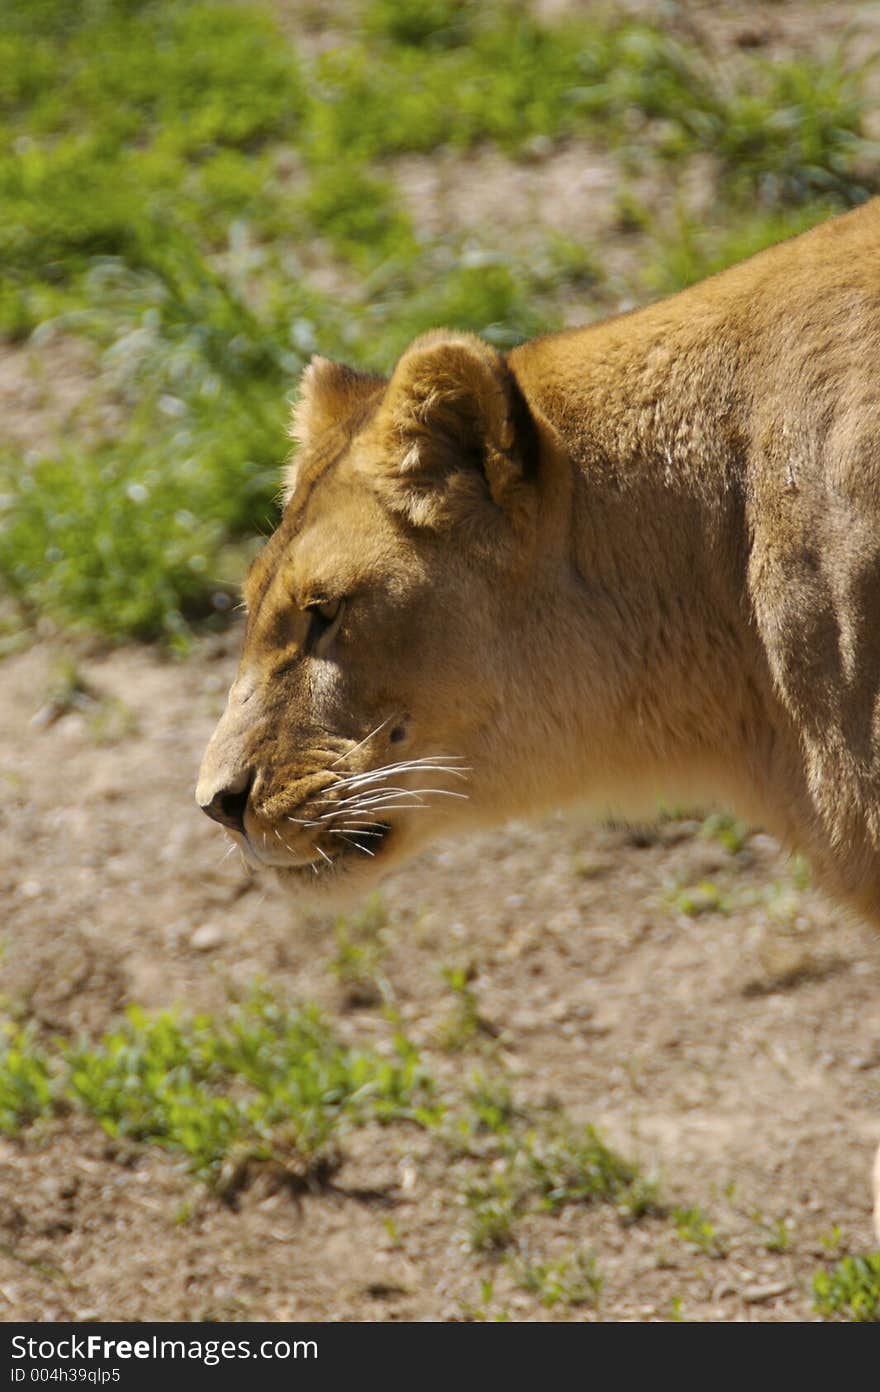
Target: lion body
[(670, 588), (725, 449), (635, 560)]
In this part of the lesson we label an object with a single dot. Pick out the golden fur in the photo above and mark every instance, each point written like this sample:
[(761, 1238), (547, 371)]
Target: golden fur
[(636, 559)]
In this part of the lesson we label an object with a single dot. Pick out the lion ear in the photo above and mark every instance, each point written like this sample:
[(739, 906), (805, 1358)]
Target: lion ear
[(330, 394), (457, 431), (331, 398)]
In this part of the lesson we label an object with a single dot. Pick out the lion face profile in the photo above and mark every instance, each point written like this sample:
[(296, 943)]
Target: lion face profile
[(378, 701)]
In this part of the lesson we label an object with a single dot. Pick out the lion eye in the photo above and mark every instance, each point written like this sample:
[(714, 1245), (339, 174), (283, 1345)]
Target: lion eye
[(327, 610), (323, 617)]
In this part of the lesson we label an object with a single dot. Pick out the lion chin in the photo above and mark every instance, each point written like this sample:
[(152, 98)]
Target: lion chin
[(644, 549)]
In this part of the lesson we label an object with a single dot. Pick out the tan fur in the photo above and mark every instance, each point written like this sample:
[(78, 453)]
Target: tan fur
[(631, 560)]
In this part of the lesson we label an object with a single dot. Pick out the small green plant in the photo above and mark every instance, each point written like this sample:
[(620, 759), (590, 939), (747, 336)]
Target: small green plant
[(492, 1108), (27, 1091), (483, 1311), (777, 1233), (696, 900), (851, 1290), (422, 23), (785, 130), (360, 950), (565, 1166), (573, 1280), (727, 830), (494, 1206), (832, 1240), (588, 867), (464, 1024), (111, 721), (67, 690), (544, 1170), (145, 550), (693, 1227), (630, 214)]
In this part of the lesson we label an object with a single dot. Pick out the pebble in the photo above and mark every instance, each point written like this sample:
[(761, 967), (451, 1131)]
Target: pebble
[(756, 1295), (207, 937)]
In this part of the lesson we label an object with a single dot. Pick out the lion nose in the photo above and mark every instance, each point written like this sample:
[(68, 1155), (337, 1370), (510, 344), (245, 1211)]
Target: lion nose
[(228, 804)]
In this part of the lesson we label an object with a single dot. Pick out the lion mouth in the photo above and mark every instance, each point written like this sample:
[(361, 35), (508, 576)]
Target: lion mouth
[(343, 826), (354, 842)]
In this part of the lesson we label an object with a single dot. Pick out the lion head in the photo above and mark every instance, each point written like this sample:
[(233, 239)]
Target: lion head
[(394, 623)]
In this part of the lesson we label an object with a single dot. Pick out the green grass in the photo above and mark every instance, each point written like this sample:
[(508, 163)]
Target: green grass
[(575, 1166), (698, 899), (262, 1082), (26, 1091), (268, 1083), (173, 173), (570, 1281), (850, 1290), (692, 250), (358, 214), (361, 947), (545, 1169), (464, 1026), (694, 1228), (108, 538), (727, 830), (501, 76), (785, 130)]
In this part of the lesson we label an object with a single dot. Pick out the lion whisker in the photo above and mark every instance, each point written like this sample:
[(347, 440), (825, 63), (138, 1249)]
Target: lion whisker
[(370, 816), (348, 753), (433, 765), (375, 799), (386, 770), (361, 830), (366, 850), (364, 805), (404, 766), (367, 792)]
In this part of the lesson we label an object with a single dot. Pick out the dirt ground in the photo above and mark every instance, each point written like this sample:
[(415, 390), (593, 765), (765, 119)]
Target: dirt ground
[(735, 1054)]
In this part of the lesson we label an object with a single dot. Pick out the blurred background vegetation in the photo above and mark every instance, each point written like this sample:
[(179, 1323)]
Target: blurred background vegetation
[(200, 195)]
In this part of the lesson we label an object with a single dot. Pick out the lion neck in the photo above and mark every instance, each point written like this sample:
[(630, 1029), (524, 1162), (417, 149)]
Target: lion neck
[(650, 414)]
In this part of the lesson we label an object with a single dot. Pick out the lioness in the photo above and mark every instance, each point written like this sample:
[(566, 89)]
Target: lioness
[(632, 559)]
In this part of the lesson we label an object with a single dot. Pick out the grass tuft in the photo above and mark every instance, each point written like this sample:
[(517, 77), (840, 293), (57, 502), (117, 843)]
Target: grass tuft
[(850, 1290), (264, 1083)]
